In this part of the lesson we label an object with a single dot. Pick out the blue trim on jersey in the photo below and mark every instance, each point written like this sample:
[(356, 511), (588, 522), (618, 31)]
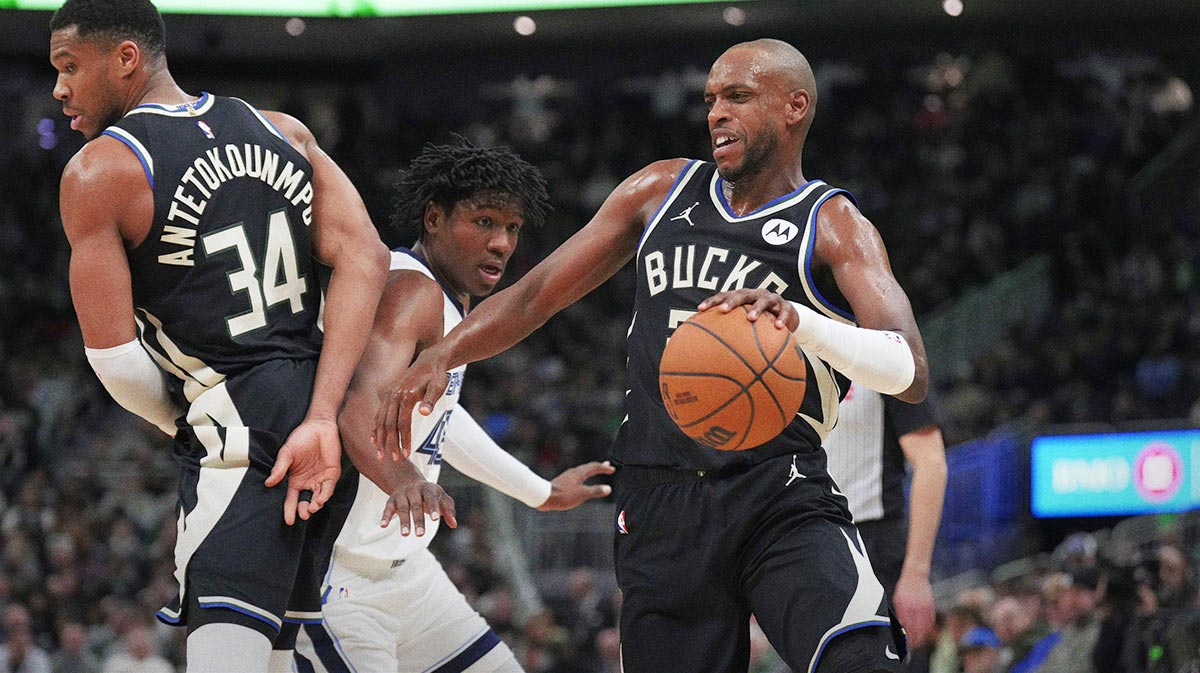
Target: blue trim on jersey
[(244, 611), (812, 238), (167, 619), (327, 649), (485, 643), (136, 152), (177, 108), (303, 665), (670, 193), (272, 125), (785, 197), (861, 625), (445, 290), (293, 620), (328, 590)]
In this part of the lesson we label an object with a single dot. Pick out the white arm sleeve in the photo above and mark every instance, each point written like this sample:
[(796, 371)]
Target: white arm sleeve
[(135, 382), (877, 359), (471, 451)]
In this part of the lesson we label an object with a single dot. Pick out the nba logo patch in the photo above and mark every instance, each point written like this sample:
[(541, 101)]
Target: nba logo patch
[(206, 128), (893, 337), (621, 527)]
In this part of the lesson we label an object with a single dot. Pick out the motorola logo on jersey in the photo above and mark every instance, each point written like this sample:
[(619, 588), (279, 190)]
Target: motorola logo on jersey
[(779, 232), (1158, 472)]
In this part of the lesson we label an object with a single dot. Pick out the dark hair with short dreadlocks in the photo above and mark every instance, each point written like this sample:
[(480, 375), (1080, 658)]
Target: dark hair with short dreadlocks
[(447, 174), (115, 20)]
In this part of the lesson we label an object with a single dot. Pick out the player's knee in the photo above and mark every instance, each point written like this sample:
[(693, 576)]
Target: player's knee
[(866, 650)]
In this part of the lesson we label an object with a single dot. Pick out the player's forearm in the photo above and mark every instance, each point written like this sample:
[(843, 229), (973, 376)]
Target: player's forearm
[(925, 510), (877, 359), (354, 426), (350, 302), (136, 383), (471, 451)]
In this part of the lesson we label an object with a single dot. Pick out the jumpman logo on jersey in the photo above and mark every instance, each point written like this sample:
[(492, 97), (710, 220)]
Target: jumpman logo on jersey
[(687, 215), (794, 474)]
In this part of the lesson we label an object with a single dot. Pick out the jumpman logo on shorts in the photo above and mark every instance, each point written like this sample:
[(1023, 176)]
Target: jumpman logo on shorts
[(794, 474), (687, 215)]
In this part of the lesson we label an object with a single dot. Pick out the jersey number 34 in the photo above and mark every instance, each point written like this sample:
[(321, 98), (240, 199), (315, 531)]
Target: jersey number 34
[(264, 290)]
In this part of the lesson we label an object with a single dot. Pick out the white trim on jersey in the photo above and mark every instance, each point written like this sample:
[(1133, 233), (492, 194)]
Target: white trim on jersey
[(196, 375), (137, 146), (863, 608), (830, 394), (788, 202), (193, 109), (808, 241), (680, 182)]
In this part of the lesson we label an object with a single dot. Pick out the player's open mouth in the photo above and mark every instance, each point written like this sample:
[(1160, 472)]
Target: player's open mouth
[(722, 142), (74, 119), (492, 271)]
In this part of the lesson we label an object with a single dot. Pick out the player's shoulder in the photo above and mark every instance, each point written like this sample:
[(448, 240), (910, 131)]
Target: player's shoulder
[(104, 168), (292, 129), (840, 209), (652, 183)]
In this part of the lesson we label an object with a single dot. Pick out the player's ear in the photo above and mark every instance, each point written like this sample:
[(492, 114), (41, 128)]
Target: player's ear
[(129, 57), (799, 106), (433, 218)]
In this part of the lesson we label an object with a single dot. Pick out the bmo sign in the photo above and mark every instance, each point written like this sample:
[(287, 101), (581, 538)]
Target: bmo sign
[(1115, 474)]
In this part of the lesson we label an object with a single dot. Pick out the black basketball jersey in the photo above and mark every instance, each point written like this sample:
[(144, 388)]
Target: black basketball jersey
[(693, 247), (225, 279)]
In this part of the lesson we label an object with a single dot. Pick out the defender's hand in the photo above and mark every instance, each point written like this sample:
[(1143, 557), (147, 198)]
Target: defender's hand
[(413, 501), (423, 382), (567, 490), (760, 301), (311, 460)]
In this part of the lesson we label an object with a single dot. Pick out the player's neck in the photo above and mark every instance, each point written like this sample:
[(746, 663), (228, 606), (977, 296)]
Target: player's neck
[(160, 88), (443, 279), (752, 192)]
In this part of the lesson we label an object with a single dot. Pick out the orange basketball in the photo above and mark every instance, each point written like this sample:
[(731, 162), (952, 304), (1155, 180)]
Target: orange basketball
[(730, 383)]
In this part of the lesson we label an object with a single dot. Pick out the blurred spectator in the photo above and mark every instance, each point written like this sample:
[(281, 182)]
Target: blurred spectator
[(73, 655), (140, 655), (960, 620), (1080, 627), (1026, 638), (19, 654), (980, 651)]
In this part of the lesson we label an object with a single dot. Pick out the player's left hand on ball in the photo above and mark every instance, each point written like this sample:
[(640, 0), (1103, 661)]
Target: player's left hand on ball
[(760, 302), (567, 490), (311, 459), (915, 609), (413, 501)]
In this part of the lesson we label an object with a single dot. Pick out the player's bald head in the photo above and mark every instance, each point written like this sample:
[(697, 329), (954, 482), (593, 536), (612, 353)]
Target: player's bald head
[(774, 59)]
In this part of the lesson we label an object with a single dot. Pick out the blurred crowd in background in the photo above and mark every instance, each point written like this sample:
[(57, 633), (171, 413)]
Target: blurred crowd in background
[(970, 165)]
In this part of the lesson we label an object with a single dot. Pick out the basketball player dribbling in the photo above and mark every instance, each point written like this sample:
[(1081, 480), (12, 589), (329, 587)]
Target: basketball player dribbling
[(193, 223), (706, 538), (389, 606)]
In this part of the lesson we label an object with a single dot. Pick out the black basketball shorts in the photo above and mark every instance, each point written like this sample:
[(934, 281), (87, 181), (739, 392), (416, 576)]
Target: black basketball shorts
[(236, 560), (698, 553)]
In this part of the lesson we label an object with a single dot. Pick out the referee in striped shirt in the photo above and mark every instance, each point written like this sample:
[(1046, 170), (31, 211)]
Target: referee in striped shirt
[(876, 435)]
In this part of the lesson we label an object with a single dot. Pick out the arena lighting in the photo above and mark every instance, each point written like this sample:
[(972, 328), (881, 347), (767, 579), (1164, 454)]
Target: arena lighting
[(734, 16), (294, 26), (952, 7), (524, 25), (311, 8)]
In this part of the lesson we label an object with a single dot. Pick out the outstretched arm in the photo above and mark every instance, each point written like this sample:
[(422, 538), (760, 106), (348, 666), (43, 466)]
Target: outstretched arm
[(344, 239), (577, 267), (471, 451)]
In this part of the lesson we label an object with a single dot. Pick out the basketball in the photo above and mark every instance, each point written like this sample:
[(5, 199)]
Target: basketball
[(730, 383)]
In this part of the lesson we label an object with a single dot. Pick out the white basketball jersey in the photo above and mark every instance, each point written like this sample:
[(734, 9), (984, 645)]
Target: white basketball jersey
[(361, 534)]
